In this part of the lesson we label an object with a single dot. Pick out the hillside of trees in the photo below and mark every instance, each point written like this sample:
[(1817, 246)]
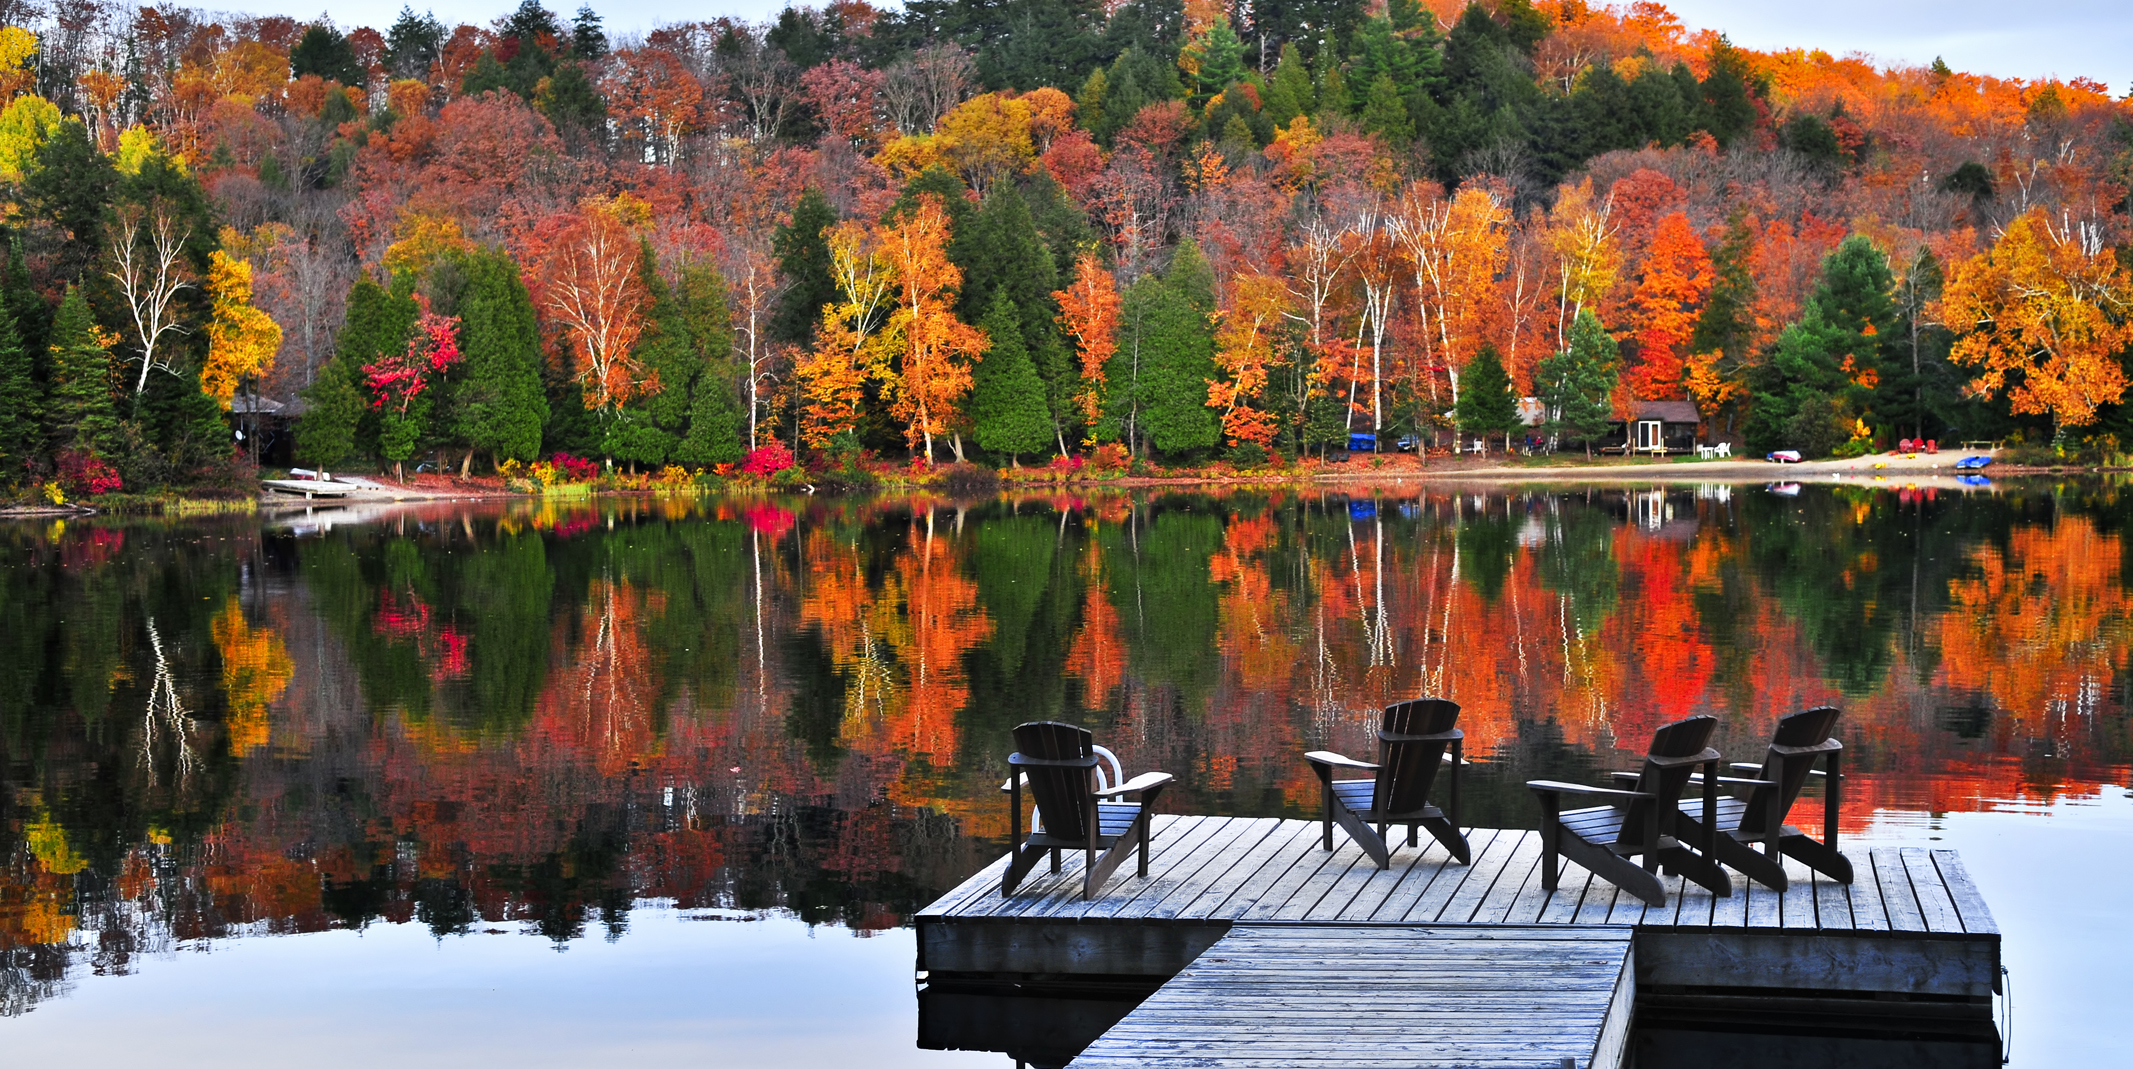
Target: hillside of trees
[(1006, 230)]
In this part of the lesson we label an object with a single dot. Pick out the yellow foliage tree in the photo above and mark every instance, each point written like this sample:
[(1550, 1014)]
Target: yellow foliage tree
[(1244, 350), (25, 124), (17, 45), (422, 239), (851, 346), (241, 339), (2044, 312)]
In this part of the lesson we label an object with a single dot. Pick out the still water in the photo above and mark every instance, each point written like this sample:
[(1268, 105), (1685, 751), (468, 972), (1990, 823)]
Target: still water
[(569, 783)]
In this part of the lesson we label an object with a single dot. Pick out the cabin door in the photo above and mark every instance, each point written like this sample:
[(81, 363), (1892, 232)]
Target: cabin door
[(1649, 438)]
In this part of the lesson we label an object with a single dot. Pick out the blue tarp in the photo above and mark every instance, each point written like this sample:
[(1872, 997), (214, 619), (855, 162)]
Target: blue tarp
[(1362, 443)]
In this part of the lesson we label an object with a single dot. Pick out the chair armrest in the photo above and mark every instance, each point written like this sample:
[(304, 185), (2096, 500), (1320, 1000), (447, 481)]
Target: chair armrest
[(1625, 777), (1736, 781), (1707, 755), (1143, 782), (1744, 766), (1825, 746), (1328, 757), (1549, 786), (1051, 762)]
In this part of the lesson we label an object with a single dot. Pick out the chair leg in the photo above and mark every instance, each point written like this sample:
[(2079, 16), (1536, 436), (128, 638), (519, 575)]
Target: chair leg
[(1448, 834), (1413, 829), (1326, 811), (1371, 842), (1551, 831), (1819, 856), (1055, 861)]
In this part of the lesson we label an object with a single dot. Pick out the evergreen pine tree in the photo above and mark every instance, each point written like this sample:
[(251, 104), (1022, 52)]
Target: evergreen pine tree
[(1290, 93), (1007, 399), (32, 317), (79, 413), (326, 52), (1332, 84), (1486, 404), (333, 410), (651, 424), (500, 408), (21, 405), (1576, 386), (804, 261), (1177, 355), (1385, 114), (715, 419)]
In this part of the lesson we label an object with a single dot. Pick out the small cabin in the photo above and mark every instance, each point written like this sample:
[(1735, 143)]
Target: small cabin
[(1659, 428)]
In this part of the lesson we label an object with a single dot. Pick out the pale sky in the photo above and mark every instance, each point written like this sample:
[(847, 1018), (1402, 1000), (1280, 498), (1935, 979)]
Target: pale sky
[(2062, 38)]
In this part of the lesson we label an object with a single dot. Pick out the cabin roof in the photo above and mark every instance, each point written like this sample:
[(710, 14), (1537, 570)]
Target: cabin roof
[(1668, 411)]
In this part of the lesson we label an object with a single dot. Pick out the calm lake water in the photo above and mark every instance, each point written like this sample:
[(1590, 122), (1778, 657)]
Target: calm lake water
[(564, 783)]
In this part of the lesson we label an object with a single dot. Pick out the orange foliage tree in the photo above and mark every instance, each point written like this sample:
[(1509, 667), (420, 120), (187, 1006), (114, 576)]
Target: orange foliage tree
[(1244, 350), (850, 345), (2045, 313), (938, 349), (1669, 295), (1088, 309)]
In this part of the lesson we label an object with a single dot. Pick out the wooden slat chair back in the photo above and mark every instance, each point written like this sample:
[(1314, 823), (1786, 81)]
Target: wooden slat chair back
[(1061, 766), (1415, 739), (1758, 817), (1642, 821)]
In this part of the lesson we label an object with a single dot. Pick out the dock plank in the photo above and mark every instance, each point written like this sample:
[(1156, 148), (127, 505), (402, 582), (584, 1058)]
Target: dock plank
[(1935, 905), (1425, 873), (1386, 996), (1432, 904), (1832, 904), (1896, 893), (1969, 904), (1231, 877)]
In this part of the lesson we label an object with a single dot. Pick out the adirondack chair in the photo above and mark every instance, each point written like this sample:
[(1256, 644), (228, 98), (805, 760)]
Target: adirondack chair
[(1414, 738), (1759, 817), (1642, 821), (1060, 763)]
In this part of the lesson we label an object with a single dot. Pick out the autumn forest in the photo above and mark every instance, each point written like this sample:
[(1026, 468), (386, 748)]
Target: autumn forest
[(1025, 230)]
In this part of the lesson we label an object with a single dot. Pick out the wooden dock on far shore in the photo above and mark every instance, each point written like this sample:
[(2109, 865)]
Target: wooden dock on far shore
[(1911, 931)]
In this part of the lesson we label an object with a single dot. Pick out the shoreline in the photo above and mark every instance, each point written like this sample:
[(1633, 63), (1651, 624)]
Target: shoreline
[(1913, 471)]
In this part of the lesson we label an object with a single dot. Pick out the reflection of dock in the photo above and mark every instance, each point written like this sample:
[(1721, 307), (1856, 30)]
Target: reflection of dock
[(310, 488), (1909, 938)]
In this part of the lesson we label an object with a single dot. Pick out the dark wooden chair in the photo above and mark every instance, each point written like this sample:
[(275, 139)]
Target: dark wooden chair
[(1060, 763), (1414, 739), (1640, 822), (1743, 822)]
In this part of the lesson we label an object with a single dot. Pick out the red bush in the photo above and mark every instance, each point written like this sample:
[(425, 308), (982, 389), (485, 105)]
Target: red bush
[(575, 469), (767, 460), (86, 474)]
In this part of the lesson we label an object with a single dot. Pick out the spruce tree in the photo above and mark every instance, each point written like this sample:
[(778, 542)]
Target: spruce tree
[(804, 261), (333, 410), (1385, 114), (79, 413), (1007, 398), (21, 405), (1290, 93), (715, 417), (500, 408), (648, 428), (1178, 355), (1576, 386), (1486, 404)]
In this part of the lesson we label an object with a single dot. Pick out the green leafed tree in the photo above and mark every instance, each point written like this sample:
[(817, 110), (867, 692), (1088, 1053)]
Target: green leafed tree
[(1576, 386), (1007, 404), (717, 427), (500, 405), (1487, 404)]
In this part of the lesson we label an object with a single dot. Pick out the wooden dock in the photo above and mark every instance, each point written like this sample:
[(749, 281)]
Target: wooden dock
[(1364, 997), (1910, 929)]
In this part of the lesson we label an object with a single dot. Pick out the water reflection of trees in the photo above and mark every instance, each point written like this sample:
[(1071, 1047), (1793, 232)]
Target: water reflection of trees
[(539, 716)]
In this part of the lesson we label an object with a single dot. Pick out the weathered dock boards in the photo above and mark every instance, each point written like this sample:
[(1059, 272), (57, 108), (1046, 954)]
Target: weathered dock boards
[(1364, 997), (1911, 924)]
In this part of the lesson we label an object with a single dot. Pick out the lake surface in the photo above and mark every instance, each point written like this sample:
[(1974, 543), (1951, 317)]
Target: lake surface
[(569, 782)]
